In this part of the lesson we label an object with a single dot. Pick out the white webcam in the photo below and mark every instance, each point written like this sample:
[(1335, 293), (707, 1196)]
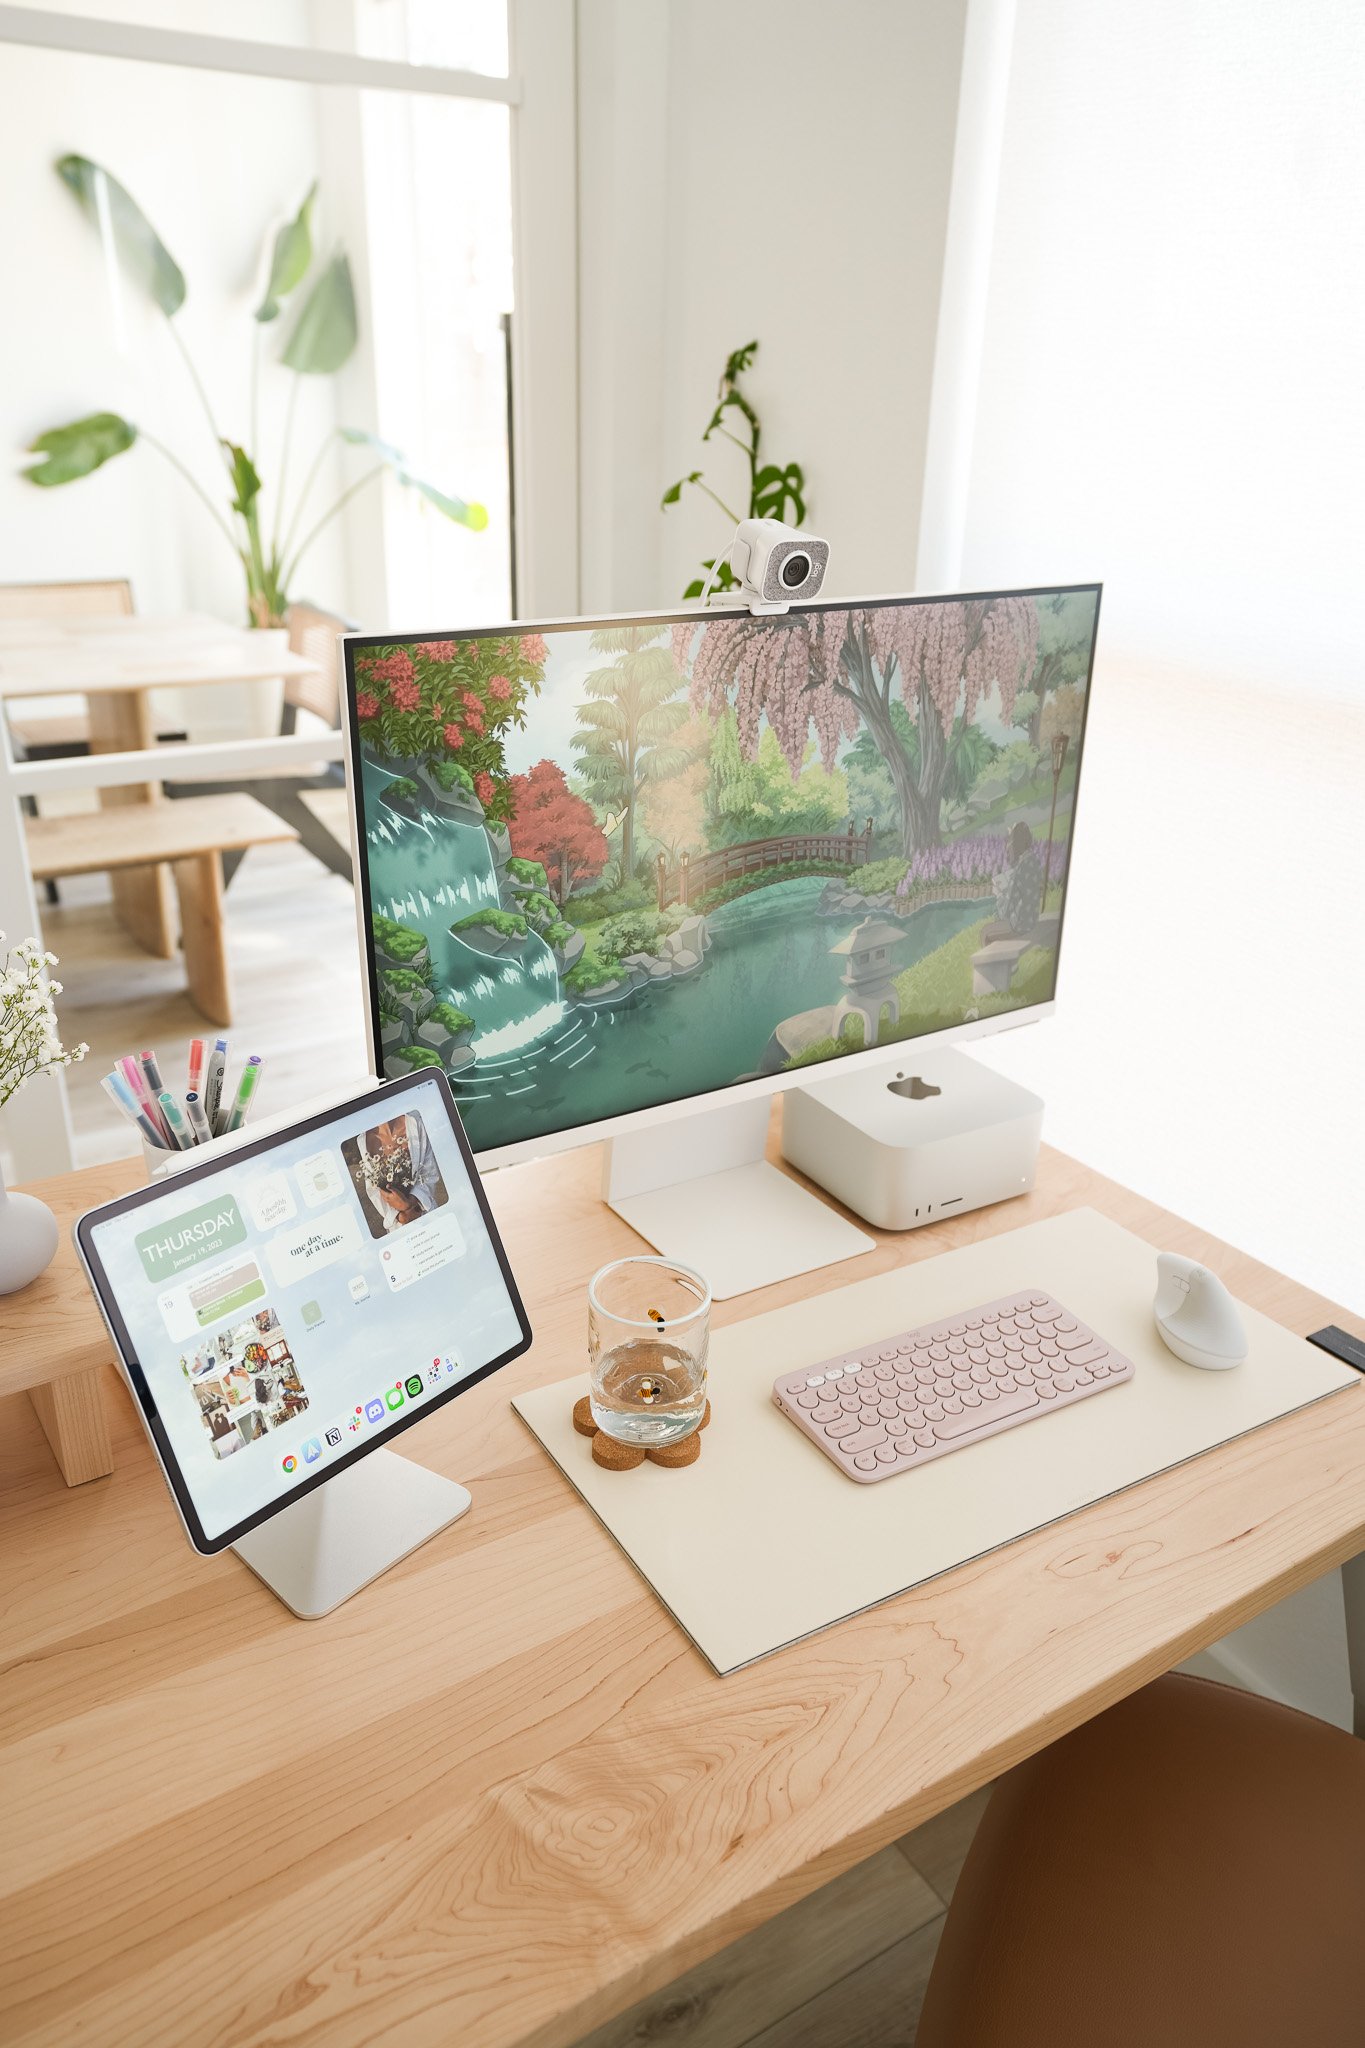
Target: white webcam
[(776, 564)]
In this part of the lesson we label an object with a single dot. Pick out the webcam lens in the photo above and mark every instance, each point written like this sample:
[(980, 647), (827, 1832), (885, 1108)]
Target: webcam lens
[(795, 570)]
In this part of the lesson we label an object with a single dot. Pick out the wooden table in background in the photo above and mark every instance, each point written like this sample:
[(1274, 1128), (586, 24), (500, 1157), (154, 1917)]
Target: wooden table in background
[(498, 1795), (115, 663)]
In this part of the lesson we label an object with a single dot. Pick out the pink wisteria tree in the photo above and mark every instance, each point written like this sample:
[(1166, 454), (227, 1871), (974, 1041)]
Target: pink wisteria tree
[(832, 671)]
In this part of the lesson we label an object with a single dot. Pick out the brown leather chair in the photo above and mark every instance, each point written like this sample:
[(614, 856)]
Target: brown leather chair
[(1185, 1871)]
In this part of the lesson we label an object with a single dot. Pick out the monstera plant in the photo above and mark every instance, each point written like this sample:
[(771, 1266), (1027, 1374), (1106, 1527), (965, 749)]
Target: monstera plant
[(321, 338)]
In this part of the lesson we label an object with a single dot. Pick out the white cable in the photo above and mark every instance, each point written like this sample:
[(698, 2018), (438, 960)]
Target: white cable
[(710, 582)]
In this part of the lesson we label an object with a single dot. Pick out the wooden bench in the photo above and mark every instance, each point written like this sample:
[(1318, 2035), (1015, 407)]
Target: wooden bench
[(190, 835)]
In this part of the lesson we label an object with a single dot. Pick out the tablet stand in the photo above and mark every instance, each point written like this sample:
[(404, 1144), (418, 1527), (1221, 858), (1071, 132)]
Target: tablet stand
[(318, 1551)]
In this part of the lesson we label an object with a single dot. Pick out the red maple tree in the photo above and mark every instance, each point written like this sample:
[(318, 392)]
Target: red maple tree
[(552, 825)]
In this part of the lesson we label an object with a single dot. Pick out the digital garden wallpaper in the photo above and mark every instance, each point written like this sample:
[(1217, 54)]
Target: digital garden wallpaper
[(611, 867)]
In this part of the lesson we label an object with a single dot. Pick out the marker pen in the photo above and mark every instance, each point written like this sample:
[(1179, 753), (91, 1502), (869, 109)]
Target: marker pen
[(122, 1096), (213, 1085), (180, 1131), (196, 1067), (199, 1123), (246, 1089), (132, 1073)]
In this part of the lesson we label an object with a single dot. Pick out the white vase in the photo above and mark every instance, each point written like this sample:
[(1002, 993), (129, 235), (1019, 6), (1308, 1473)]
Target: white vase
[(28, 1239)]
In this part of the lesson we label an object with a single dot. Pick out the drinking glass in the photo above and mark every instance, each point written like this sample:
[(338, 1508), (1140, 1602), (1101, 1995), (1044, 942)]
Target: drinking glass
[(649, 1324)]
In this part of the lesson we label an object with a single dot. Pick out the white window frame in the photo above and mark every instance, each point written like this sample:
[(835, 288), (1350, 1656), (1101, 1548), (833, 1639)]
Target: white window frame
[(541, 95)]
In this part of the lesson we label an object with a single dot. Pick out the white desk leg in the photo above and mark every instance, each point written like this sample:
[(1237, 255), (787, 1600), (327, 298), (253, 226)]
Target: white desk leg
[(1353, 1591)]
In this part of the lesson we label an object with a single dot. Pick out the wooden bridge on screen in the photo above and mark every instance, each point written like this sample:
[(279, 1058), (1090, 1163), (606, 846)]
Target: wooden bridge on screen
[(691, 880)]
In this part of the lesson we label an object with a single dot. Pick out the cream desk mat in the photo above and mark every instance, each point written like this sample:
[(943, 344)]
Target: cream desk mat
[(764, 1540)]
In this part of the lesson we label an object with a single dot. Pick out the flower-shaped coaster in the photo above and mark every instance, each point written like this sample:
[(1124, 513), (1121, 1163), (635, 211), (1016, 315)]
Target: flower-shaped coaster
[(616, 1457)]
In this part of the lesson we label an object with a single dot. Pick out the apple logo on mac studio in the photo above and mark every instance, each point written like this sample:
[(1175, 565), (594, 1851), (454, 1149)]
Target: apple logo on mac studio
[(912, 1088)]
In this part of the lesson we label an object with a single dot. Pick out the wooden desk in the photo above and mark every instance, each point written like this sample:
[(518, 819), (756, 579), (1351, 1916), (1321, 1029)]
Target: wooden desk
[(116, 662), (498, 1796)]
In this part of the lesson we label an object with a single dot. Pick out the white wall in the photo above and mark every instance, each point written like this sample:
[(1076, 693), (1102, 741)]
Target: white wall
[(1170, 399), (215, 161), (769, 168)]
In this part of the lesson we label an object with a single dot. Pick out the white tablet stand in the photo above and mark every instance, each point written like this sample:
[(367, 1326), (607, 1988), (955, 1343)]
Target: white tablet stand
[(318, 1551)]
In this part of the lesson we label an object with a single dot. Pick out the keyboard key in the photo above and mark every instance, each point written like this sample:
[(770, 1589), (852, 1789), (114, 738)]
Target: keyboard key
[(962, 1380), (815, 1379), (885, 1454), (990, 1392), (978, 1356), (925, 1438), (826, 1412), (952, 1426), (1048, 1391), (971, 1399), (886, 1409), (850, 1403), (834, 1372), (1032, 1355), (1048, 1312), (896, 1425), (1064, 1384), (866, 1378), (1088, 1353), (865, 1440), (957, 1347), (847, 1425), (865, 1462), (1067, 1323), (934, 1413), (808, 1400)]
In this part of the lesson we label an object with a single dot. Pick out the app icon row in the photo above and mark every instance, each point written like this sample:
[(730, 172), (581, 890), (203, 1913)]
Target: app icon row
[(366, 1414)]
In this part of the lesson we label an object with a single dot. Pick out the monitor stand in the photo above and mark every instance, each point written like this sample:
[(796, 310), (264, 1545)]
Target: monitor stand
[(700, 1189), (317, 1552)]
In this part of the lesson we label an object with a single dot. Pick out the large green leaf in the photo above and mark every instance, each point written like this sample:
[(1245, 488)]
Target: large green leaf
[(475, 517), (779, 493), (140, 249), (290, 258), (79, 448), (325, 332), (675, 491), (245, 482)]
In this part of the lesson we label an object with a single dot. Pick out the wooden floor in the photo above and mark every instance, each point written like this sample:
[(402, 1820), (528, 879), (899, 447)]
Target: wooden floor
[(847, 1968), (293, 956)]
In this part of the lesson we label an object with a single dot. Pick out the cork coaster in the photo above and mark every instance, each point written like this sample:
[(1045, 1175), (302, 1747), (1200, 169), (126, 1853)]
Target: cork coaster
[(617, 1457)]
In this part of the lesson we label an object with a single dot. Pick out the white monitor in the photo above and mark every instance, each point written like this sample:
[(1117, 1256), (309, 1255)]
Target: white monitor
[(615, 871)]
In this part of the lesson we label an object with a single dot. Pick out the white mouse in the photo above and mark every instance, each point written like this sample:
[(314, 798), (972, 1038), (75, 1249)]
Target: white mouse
[(1196, 1316)]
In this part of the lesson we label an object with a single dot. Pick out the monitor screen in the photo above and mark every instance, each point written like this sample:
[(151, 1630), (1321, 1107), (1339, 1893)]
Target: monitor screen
[(611, 865), (285, 1310)]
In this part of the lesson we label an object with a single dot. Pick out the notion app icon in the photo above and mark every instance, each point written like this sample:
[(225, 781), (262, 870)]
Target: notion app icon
[(291, 1463), (374, 1411), (312, 1451), (394, 1397), (333, 1436)]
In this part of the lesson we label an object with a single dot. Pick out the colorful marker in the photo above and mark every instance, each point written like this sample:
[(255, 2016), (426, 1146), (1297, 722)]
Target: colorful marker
[(175, 1120), (246, 1089)]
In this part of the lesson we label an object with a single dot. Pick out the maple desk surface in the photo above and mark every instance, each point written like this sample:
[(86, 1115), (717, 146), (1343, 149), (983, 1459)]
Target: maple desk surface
[(498, 1795)]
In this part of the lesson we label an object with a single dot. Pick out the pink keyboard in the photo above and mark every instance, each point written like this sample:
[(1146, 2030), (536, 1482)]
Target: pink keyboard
[(914, 1397)]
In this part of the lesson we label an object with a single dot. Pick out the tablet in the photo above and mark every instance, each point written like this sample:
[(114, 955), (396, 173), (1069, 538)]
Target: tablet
[(286, 1307)]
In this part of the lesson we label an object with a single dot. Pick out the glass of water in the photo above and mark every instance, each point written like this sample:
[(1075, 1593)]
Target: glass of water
[(649, 1323)]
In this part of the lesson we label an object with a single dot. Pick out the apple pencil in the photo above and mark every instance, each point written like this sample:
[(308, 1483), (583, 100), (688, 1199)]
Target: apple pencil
[(213, 1084), (122, 1096), (175, 1118)]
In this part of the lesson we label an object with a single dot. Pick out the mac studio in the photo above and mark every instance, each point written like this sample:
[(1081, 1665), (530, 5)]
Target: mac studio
[(643, 913)]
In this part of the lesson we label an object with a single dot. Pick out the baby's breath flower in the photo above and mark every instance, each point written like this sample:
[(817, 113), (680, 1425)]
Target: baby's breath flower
[(29, 1041)]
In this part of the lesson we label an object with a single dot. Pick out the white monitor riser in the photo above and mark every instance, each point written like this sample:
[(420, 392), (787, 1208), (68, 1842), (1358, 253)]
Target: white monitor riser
[(699, 1189)]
